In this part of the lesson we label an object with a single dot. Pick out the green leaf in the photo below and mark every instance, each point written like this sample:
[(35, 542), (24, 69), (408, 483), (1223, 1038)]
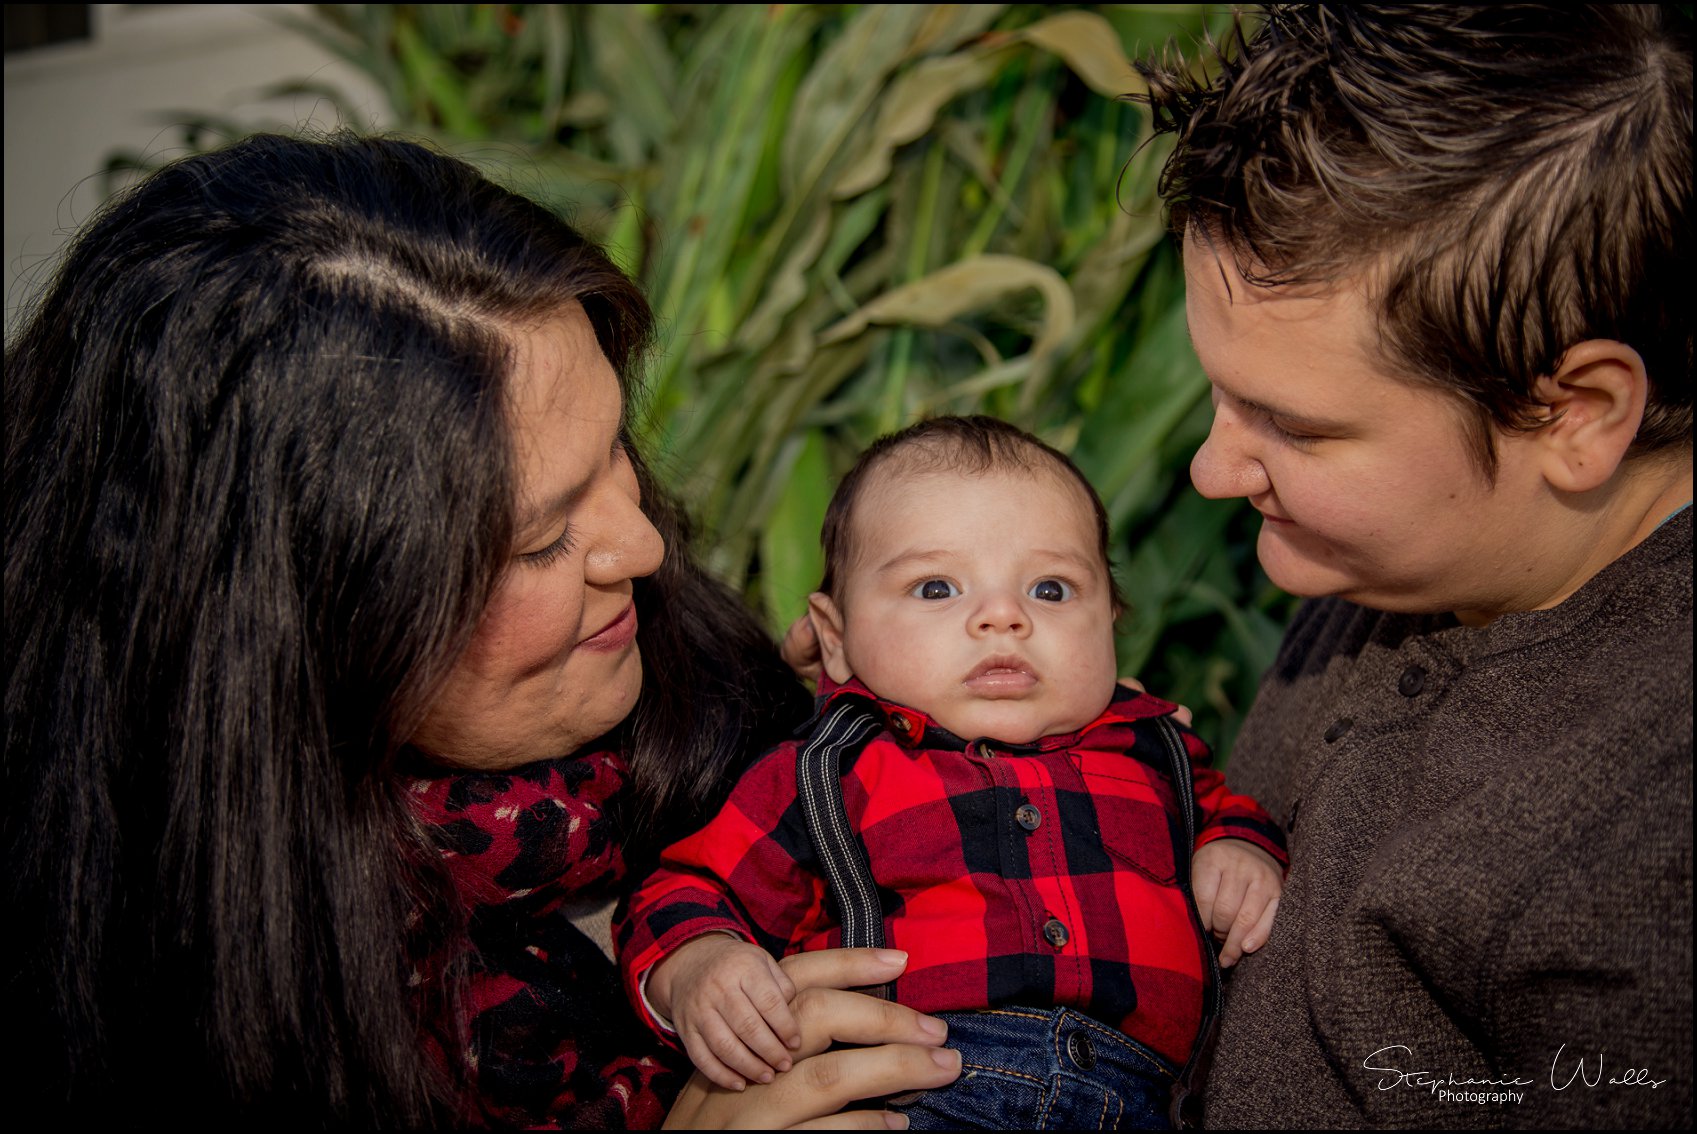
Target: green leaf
[(969, 285), (1091, 47), (791, 561), (909, 108)]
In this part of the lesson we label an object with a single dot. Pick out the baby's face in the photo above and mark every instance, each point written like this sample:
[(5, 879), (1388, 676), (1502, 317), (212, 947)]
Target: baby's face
[(980, 600)]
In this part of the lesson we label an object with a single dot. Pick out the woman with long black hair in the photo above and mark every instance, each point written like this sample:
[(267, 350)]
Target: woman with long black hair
[(350, 648)]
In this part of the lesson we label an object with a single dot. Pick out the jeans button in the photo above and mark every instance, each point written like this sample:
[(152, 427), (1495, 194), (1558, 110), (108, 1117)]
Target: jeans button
[(1081, 1051)]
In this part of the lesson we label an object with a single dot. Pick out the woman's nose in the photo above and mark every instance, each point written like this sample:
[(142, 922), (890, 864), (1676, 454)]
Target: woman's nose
[(1225, 465), (629, 547)]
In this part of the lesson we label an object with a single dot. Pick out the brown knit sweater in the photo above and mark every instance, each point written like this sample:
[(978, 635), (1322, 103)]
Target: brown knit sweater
[(1491, 841)]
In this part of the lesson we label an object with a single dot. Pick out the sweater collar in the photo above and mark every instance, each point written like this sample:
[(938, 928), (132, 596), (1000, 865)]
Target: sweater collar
[(539, 832), (1667, 548), (913, 729)]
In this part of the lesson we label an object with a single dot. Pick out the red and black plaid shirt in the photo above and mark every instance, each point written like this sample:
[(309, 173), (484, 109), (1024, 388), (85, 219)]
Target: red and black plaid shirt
[(1074, 904)]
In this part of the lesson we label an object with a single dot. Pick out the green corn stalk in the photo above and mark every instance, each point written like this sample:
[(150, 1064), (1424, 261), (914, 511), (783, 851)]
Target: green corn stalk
[(849, 216)]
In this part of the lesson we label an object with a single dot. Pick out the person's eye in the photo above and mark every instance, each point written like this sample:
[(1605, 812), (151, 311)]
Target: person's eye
[(935, 589), (1294, 438), (1050, 590), (1290, 437), (542, 557)]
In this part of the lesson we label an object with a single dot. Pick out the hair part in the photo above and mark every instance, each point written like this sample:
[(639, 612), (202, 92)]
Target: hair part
[(1509, 180), (970, 445)]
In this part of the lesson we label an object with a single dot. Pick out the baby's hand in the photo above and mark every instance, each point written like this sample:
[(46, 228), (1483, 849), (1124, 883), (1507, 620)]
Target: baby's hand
[(1237, 888), (730, 1003)]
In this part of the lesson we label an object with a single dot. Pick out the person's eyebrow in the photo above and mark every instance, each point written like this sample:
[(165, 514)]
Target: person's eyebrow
[(1085, 562), (914, 557), (1306, 421)]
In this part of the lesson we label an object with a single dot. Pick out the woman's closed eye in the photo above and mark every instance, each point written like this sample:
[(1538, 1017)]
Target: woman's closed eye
[(542, 557), (934, 589), (1051, 590)]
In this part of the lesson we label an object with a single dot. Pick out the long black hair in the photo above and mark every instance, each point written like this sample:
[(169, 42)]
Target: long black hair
[(258, 488)]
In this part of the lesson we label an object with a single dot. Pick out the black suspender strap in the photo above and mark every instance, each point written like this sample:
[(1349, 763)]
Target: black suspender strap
[(847, 726), (1184, 1110)]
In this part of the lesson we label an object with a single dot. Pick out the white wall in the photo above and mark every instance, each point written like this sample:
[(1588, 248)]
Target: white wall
[(70, 105)]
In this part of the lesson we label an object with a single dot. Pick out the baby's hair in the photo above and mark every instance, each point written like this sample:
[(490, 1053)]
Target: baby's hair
[(972, 445)]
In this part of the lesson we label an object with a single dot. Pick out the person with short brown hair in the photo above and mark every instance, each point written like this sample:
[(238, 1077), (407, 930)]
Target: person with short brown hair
[(1438, 263)]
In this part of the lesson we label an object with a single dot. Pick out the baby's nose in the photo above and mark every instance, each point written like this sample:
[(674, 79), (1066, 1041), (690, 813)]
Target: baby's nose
[(1000, 613)]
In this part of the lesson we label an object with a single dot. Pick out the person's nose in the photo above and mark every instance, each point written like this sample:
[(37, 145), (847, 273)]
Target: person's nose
[(999, 611), (1228, 464), (629, 546)]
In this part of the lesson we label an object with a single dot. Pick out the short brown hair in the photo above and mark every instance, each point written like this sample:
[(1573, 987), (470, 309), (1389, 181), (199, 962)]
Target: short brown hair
[(1517, 176), (976, 444)]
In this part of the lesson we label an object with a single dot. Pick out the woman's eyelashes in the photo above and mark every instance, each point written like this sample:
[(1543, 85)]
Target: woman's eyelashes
[(542, 557)]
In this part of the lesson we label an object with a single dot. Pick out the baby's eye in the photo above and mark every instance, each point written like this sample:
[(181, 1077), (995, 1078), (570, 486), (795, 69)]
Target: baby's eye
[(935, 589), (1050, 590)]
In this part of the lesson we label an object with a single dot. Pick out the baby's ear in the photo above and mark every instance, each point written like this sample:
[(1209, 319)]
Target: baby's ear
[(828, 625)]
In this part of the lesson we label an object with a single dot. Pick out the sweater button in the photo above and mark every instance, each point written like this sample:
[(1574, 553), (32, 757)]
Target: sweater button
[(1290, 824), (1028, 817), (1338, 728), (1055, 932), (1413, 680)]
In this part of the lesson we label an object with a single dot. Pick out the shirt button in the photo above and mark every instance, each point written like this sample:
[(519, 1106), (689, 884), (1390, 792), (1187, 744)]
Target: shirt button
[(898, 722), (1055, 932), (1413, 680), (1338, 728), (981, 749), (1028, 817), (1081, 1051)]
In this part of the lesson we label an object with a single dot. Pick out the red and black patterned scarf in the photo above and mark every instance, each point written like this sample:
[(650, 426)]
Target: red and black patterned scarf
[(553, 1042)]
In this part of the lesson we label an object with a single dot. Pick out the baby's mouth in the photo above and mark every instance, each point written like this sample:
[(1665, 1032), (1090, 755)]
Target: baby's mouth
[(1001, 675)]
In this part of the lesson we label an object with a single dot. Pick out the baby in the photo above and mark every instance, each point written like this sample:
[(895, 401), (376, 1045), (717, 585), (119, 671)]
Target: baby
[(1006, 812)]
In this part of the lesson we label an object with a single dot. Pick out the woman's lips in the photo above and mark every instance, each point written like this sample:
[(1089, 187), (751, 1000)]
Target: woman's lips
[(616, 635), (1001, 677)]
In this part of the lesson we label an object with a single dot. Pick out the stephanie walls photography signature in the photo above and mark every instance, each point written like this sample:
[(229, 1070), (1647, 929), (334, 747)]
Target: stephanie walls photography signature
[(1567, 1070)]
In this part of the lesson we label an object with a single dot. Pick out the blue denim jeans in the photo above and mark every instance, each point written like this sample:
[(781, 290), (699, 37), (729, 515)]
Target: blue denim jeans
[(1044, 1069)]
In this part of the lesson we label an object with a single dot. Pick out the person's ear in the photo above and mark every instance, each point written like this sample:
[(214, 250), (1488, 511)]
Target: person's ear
[(828, 625), (1596, 399)]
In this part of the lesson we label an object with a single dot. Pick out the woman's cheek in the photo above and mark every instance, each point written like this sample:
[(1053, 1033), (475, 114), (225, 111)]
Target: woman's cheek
[(527, 626)]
